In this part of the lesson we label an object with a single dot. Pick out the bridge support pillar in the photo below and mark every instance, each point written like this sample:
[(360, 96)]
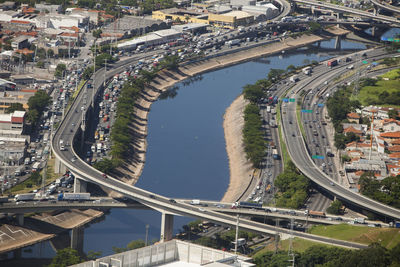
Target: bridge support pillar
[(167, 225), (77, 239), (338, 42), (20, 219), (373, 31), (79, 185), (59, 167)]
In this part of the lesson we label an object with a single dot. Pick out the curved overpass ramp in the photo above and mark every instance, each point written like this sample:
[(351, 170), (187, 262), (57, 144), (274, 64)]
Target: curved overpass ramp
[(386, 6)]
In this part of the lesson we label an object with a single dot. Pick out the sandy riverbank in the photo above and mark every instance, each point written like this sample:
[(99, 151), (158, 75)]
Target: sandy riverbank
[(239, 166)]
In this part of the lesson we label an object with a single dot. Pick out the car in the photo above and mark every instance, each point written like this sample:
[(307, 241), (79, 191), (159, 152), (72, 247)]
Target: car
[(293, 134), (172, 200), (152, 196), (290, 122), (202, 210), (104, 175), (73, 159), (338, 219), (331, 183)]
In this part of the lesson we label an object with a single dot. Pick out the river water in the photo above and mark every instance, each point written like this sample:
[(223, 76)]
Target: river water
[(186, 156)]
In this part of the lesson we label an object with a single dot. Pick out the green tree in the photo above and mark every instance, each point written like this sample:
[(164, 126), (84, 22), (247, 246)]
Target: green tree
[(39, 101), (274, 74), (170, 62), (290, 68), (13, 107), (335, 207), (97, 33), (65, 257), (253, 93), (40, 64), (393, 114), (60, 70), (92, 255), (135, 244)]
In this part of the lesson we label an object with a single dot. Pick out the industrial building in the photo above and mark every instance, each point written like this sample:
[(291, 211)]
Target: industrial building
[(13, 122), (174, 253)]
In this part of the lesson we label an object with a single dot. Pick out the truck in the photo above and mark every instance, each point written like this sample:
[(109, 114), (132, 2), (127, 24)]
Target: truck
[(315, 214), (19, 171), (397, 224), (195, 202), (273, 111), (60, 180), (98, 147), (74, 196), (268, 109), (294, 78), (39, 154), (275, 154), (315, 133), (27, 161), (46, 138), (36, 166), (24, 197), (93, 148), (51, 189), (359, 220), (62, 147), (307, 70), (233, 42), (272, 123), (332, 63), (249, 205)]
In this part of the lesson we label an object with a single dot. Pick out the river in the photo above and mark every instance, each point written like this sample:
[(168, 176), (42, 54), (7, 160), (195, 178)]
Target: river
[(186, 156)]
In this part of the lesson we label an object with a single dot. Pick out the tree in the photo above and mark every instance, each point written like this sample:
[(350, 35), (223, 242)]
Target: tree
[(50, 53), (40, 64), (170, 62), (135, 244), (97, 33), (393, 114), (274, 74), (60, 70), (39, 101), (290, 68), (65, 257), (13, 107), (335, 207), (253, 93)]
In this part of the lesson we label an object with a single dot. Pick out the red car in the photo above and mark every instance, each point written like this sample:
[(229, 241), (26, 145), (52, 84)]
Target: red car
[(104, 175)]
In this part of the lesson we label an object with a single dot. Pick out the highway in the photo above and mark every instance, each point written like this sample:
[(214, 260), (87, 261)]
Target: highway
[(349, 10), (157, 202), (299, 154), (386, 6)]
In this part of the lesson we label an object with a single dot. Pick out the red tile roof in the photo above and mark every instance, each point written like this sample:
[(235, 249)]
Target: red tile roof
[(19, 21), (391, 135), (353, 115), (24, 51), (351, 129), (394, 148), (395, 155)]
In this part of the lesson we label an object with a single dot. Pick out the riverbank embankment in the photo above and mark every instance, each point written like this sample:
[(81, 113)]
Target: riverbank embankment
[(165, 79)]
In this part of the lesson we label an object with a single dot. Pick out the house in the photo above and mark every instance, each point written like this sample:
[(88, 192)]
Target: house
[(393, 149), (393, 169), (8, 5), (390, 136), (390, 125), (351, 129), (353, 117), (48, 8)]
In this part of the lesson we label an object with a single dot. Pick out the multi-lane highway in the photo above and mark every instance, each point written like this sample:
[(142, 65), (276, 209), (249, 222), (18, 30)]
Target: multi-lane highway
[(349, 10), (66, 133), (299, 153)]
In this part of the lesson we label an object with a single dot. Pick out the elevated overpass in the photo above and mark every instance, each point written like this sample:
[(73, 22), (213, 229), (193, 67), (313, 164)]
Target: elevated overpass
[(352, 11), (383, 5)]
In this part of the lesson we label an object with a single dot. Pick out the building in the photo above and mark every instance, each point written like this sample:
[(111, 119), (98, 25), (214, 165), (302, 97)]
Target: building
[(240, 3), (267, 11), (12, 151), (20, 42), (173, 253), (390, 125), (231, 19), (353, 117), (8, 5), (13, 122), (184, 15), (390, 136), (351, 129), (193, 28), (376, 166), (48, 8)]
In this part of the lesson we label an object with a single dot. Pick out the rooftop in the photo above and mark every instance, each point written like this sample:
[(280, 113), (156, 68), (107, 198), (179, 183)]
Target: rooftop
[(391, 135), (353, 115), (174, 253)]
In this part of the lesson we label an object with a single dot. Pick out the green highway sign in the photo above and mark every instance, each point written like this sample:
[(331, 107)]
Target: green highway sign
[(292, 100), (306, 110), (365, 62)]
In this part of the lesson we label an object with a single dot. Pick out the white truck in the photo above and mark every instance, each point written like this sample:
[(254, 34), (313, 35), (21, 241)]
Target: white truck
[(36, 166), (359, 220), (233, 42), (195, 202), (294, 78), (99, 147), (24, 197), (307, 70), (27, 161), (51, 189), (62, 147)]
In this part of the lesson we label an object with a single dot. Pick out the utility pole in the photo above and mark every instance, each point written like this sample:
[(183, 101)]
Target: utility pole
[(290, 250), (237, 233), (94, 71), (147, 233), (105, 70)]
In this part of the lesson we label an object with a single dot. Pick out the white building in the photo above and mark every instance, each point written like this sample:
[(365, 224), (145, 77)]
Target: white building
[(48, 8), (174, 253)]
